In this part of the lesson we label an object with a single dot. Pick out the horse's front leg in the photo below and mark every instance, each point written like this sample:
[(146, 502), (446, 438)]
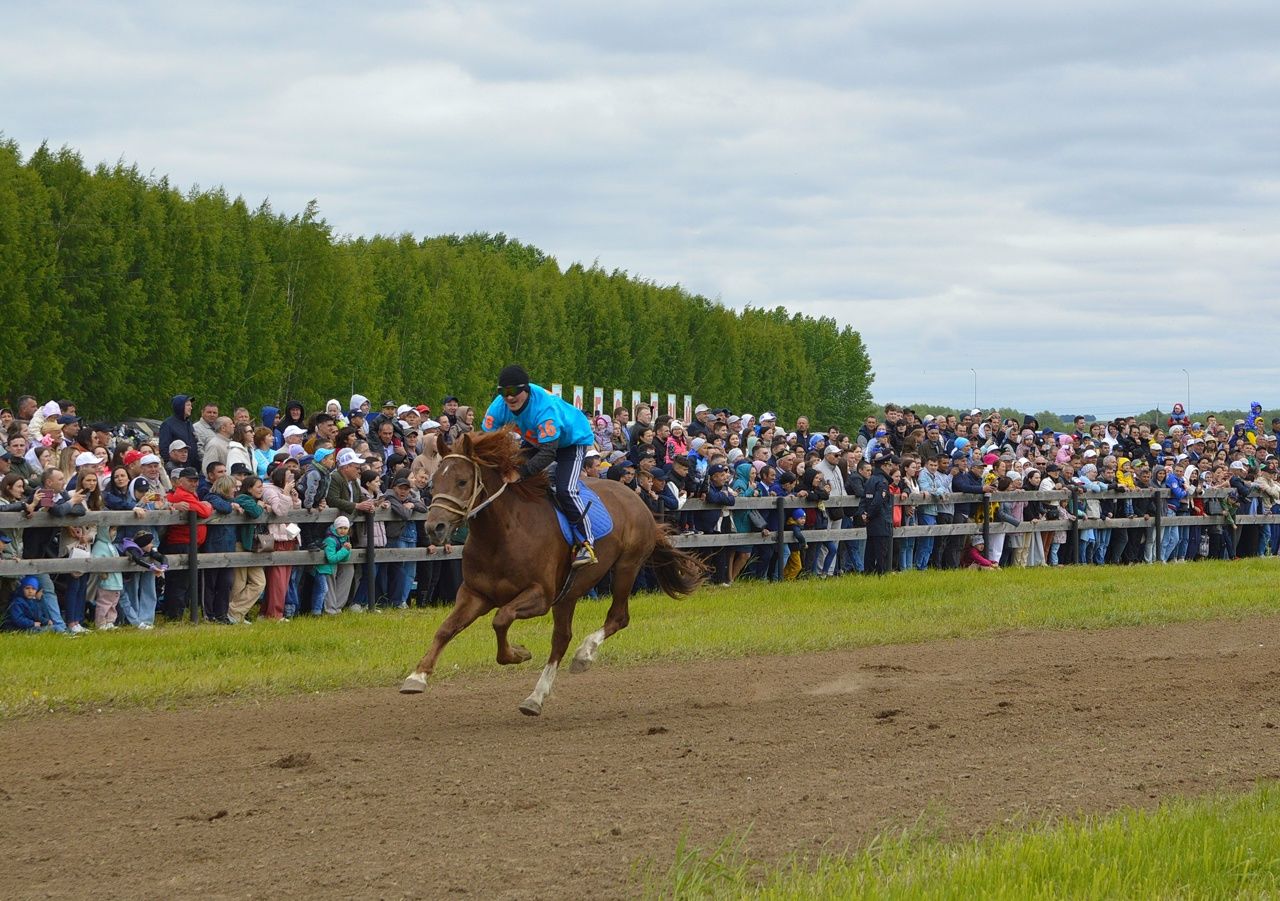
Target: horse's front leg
[(527, 604), (466, 609)]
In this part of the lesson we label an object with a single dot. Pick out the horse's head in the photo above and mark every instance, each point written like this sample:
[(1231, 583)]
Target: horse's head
[(455, 488)]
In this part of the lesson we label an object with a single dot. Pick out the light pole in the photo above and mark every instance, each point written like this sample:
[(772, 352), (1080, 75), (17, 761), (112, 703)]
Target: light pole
[(1188, 375), (975, 387)]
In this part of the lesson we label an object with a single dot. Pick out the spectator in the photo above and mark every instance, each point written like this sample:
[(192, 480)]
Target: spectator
[(263, 450), (247, 582), (205, 427), (218, 448), (240, 448), (178, 426), (219, 538), (279, 498), (27, 609), (177, 538), (330, 593), (402, 532)]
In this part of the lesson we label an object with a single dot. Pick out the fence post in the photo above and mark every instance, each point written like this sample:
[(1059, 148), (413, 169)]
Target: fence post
[(193, 565), (780, 539), (370, 569), (1159, 536), (1075, 523), (986, 522)]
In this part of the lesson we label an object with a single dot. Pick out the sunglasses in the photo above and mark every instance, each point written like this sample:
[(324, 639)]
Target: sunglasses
[(513, 390)]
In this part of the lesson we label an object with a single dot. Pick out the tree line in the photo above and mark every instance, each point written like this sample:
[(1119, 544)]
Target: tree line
[(119, 290)]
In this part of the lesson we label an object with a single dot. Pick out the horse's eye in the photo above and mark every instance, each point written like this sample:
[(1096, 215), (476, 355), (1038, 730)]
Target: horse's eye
[(461, 482)]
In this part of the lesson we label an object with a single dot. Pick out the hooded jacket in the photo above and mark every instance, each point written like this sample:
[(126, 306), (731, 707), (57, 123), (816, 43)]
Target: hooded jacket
[(269, 417), (24, 613), (290, 418), (178, 426)]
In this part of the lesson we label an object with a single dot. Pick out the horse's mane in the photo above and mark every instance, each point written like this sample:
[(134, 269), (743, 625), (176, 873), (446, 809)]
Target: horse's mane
[(501, 451)]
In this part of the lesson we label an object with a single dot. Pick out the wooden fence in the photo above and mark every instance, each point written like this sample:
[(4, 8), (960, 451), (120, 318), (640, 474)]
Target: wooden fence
[(368, 556)]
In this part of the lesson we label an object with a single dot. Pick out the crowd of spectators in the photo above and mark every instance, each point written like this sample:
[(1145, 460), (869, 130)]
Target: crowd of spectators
[(354, 459)]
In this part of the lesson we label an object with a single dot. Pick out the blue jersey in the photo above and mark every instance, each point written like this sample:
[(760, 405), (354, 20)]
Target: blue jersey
[(545, 419)]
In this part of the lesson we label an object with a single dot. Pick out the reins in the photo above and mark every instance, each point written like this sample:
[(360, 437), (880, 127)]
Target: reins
[(454, 505)]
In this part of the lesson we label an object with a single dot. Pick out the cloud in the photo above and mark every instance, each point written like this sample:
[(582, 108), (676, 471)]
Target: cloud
[(1077, 201)]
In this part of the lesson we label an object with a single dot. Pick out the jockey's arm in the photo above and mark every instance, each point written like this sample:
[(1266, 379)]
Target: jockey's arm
[(543, 457)]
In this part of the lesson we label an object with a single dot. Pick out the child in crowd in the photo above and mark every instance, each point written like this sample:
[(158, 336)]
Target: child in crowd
[(105, 588), (26, 608), (327, 595), (973, 555)]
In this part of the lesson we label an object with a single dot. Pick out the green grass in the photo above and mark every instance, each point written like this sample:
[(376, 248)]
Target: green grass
[(1213, 847), (177, 664)]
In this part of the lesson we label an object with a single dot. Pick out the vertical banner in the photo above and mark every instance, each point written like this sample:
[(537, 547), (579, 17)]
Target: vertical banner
[(688, 409), (597, 402), (671, 405), (617, 399), (635, 402), (653, 403), (577, 396), (557, 389)]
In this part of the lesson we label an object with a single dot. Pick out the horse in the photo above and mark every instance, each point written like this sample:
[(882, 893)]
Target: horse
[(516, 561)]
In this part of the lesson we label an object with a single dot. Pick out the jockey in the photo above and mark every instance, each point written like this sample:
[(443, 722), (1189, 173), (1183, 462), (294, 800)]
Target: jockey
[(559, 431)]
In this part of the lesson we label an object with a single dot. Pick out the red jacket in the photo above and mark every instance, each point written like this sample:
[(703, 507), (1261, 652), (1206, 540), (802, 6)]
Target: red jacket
[(178, 534)]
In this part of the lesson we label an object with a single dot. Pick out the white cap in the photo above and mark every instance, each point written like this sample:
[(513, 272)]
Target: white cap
[(85, 459), (1090, 453), (403, 409), (701, 408), (292, 431), (591, 453), (429, 424), (347, 456), (342, 523), (772, 417), (176, 444), (148, 459)]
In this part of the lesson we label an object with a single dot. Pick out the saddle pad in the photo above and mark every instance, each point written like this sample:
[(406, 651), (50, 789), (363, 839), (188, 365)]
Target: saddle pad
[(601, 521)]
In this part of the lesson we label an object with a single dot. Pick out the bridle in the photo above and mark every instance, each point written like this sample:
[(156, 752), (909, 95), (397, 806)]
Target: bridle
[(455, 505)]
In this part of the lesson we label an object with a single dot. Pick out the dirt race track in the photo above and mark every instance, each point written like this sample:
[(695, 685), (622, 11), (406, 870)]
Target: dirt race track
[(373, 794)]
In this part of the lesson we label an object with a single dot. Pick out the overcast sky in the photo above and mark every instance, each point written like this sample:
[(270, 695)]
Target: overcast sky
[(1075, 200)]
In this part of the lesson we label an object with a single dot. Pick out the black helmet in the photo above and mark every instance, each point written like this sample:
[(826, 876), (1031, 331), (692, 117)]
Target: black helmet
[(513, 376)]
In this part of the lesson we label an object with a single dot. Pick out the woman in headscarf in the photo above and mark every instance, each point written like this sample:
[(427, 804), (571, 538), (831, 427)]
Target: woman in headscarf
[(602, 428), (463, 423), (334, 409)]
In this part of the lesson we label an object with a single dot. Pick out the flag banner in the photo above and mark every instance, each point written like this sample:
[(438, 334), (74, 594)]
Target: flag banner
[(577, 396), (688, 409), (597, 401), (671, 405), (557, 389)]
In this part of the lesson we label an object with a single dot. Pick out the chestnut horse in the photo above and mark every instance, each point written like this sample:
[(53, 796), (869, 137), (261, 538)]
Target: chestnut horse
[(516, 561)]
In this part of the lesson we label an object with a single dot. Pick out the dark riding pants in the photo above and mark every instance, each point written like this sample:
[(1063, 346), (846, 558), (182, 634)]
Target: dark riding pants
[(568, 474)]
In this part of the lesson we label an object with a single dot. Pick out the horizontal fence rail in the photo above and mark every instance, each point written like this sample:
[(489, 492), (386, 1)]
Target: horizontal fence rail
[(365, 555)]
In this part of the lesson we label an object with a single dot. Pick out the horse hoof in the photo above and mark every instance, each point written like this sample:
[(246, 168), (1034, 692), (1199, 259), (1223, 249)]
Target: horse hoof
[(517, 655), (415, 684), (580, 663), (530, 707)]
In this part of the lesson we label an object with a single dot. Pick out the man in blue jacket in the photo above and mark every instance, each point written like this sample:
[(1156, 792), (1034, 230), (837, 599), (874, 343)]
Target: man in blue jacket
[(558, 432)]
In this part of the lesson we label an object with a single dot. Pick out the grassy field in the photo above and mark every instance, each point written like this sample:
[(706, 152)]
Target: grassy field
[(177, 664), (1215, 847)]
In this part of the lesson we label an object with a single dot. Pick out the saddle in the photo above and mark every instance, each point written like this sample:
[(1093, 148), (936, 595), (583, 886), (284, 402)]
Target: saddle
[(597, 514)]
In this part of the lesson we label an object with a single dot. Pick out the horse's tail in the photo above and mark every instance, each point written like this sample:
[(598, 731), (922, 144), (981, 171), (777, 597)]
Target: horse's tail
[(678, 573)]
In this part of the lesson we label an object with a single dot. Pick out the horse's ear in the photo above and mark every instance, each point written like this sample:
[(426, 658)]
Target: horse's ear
[(465, 447)]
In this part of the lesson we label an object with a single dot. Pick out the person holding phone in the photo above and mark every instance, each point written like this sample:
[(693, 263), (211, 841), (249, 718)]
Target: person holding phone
[(43, 540)]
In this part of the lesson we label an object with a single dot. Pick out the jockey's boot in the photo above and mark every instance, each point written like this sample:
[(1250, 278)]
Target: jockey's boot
[(585, 557)]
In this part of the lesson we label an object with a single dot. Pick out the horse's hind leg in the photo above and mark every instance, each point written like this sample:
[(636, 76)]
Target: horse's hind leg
[(624, 577), (527, 604), (466, 609), (561, 634)]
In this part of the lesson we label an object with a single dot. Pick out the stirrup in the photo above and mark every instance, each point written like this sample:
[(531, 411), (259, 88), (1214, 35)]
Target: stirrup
[(585, 555)]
